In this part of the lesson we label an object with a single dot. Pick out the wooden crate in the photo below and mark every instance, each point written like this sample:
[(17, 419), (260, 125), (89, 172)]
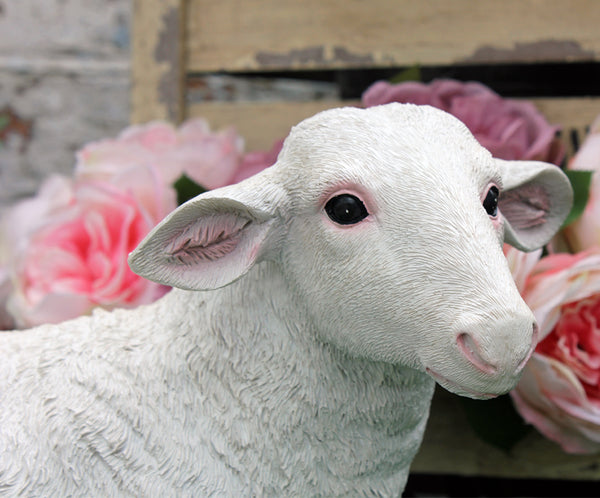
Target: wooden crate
[(174, 40)]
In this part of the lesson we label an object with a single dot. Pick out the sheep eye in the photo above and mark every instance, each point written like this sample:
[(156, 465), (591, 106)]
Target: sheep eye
[(346, 209), (490, 203)]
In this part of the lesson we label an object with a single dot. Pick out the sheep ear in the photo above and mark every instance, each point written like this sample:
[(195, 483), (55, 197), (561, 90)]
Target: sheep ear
[(210, 241), (535, 201)]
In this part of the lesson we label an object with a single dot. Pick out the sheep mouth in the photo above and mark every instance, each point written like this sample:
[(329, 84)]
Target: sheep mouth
[(458, 388)]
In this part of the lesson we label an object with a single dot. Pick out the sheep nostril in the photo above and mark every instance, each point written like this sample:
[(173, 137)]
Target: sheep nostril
[(469, 348)]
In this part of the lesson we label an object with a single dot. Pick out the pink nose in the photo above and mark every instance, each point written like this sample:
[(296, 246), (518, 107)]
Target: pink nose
[(469, 347)]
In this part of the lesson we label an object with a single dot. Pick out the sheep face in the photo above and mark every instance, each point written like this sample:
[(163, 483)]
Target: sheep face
[(388, 224)]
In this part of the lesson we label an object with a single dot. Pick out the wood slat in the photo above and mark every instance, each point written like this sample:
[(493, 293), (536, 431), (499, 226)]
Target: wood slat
[(291, 34), (158, 60), (451, 447), (261, 123), (575, 115), (574, 112)]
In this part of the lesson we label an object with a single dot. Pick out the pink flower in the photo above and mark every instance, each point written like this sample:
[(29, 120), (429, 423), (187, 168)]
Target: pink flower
[(585, 232), (560, 389), (210, 159), (255, 162), (18, 224), (509, 129), (75, 257), (520, 264), (65, 251)]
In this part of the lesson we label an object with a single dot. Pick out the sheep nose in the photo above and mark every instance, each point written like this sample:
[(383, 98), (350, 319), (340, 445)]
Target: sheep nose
[(534, 341), (470, 349)]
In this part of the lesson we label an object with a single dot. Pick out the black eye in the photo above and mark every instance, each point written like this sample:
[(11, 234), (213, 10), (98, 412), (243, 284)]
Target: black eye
[(346, 209), (490, 203)]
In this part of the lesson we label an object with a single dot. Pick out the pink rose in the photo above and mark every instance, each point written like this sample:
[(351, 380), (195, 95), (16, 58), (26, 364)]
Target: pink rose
[(210, 159), (18, 223), (255, 162), (65, 251), (559, 392), (521, 264), (509, 129), (75, 258), (585, 232)]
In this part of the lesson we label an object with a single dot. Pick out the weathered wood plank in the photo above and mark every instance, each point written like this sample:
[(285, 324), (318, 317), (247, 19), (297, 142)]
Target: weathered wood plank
[(451, 447), (261, 123), (574, 115), (158, 63), (571, 112), (289, 34)]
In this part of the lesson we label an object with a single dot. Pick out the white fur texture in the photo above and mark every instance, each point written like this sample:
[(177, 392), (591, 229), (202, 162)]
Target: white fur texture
[(294, 359)]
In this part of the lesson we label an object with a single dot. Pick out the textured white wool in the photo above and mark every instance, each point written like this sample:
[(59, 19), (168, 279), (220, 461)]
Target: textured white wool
[(146, 411), (299, 361)]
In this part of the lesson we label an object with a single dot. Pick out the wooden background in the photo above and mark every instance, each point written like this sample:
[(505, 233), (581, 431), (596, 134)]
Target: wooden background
[(175, 42)]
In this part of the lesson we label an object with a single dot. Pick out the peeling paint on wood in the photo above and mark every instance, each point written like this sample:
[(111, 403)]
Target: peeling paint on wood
[(316, 56), (544, 50), (13, 124), (302, 56), (157, 77), (266, 34), (340, 54), (240, 88), (168, 51)]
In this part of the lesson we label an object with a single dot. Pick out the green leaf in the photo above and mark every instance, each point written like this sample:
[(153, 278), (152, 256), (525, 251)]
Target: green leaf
[(581, 182), (4, 120), (496, 421), (412, 73), (187, 189)]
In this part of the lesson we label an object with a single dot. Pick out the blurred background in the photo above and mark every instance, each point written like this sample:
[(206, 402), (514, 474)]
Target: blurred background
[(64, 80)]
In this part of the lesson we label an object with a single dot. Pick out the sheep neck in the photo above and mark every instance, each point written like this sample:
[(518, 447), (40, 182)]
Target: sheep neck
[(300, 407)]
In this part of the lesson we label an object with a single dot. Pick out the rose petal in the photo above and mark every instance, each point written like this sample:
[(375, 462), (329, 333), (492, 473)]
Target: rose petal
[(550, 397)]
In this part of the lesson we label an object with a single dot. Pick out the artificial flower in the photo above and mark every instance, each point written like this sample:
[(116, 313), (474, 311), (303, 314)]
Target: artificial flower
[(64, 251), (521, 264), (559, 392), (209, 159), (254, 162), (76, 259), (585, 232)]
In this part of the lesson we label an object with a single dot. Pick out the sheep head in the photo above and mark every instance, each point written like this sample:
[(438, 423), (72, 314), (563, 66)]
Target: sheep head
[(388, 224)]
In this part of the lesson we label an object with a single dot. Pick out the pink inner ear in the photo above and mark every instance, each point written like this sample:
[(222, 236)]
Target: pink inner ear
[(208, 239), (525, 207)]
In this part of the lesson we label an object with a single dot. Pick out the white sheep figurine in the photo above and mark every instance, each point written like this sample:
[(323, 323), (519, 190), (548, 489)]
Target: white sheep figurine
[(337, 287)]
